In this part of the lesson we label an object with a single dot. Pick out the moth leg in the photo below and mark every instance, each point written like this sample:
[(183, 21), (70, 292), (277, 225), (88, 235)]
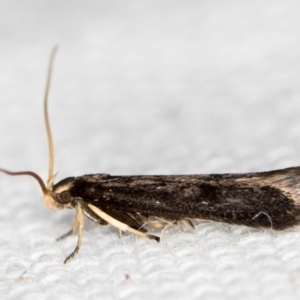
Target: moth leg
[(79, 224), (91, 215), (132, 220), (120, 233), (71, 232), (120, 225), (188, 223), (179, 224)]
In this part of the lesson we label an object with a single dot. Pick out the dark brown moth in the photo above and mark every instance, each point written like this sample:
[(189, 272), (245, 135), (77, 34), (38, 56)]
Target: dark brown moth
[(266, 199)]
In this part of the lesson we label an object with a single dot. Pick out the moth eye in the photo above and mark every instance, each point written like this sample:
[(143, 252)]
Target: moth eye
[(65, 197)]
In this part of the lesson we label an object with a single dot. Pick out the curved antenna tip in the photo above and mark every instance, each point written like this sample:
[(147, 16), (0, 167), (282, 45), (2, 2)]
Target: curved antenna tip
[(29, 173)]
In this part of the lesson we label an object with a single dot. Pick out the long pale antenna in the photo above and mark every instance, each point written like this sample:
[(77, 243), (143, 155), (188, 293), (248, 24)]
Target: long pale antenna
[(46, 190), (47, 122)]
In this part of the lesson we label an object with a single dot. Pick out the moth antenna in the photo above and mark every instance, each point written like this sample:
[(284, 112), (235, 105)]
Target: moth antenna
[(46, 189), (34, 175), (47, 122)]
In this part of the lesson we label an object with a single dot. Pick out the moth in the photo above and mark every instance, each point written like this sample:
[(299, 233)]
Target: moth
[(265, 199)]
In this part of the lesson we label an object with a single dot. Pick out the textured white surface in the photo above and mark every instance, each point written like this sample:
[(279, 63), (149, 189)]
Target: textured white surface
[(147, 87)]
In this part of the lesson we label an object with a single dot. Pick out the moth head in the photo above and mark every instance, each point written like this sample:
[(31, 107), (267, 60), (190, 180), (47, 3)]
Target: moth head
[(61, 193)]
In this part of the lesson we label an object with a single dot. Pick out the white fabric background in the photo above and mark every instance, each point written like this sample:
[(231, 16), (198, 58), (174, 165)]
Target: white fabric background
[(147, 87)]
